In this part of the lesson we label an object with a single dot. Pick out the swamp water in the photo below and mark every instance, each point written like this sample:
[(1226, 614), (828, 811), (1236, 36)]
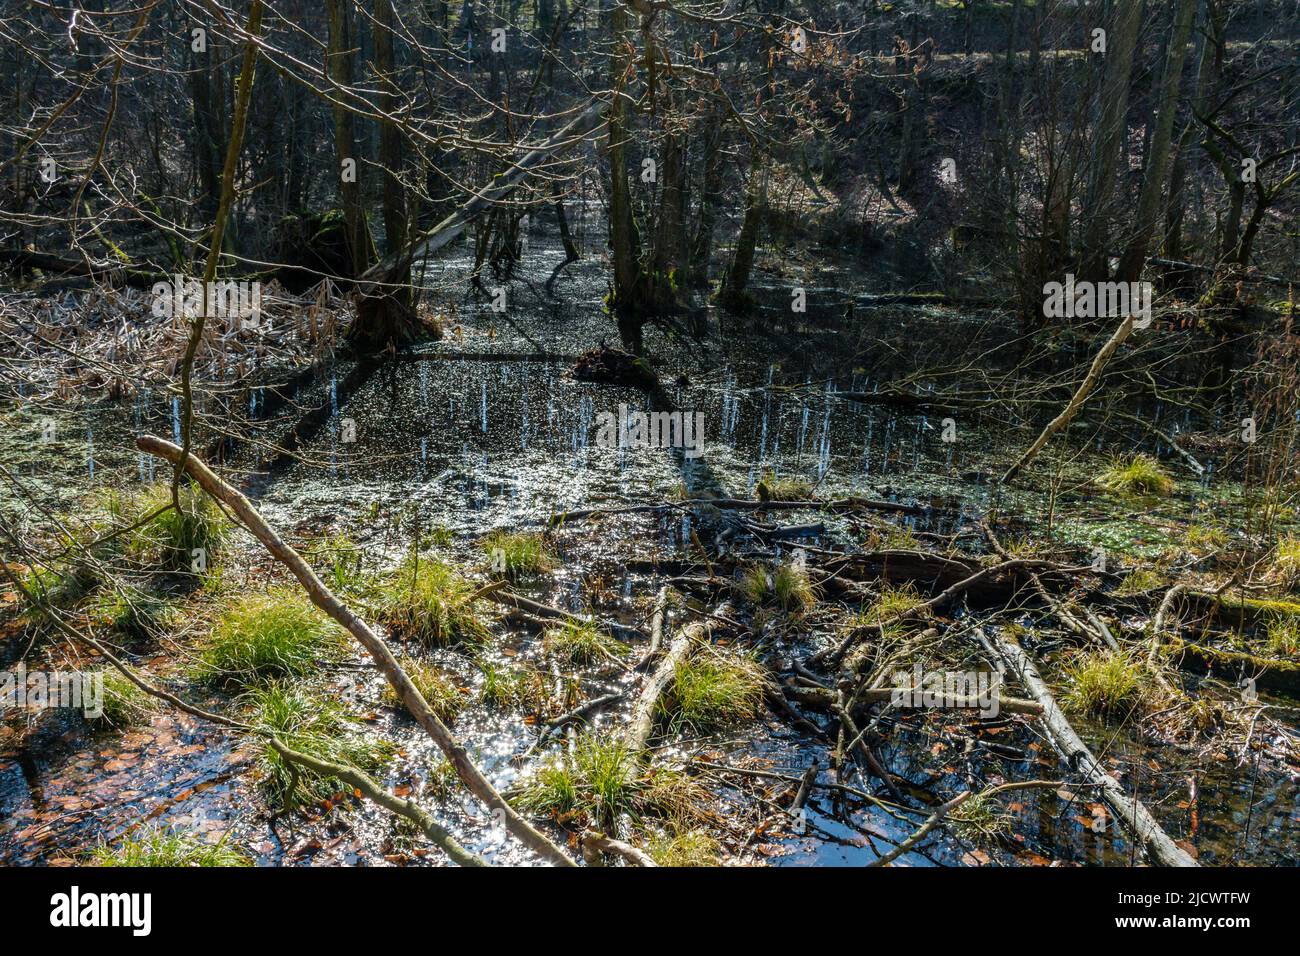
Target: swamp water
[(457, 440)]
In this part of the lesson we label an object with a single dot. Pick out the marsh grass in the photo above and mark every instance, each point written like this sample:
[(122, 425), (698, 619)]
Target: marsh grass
[(515, 554), (786, 587), (167, 848), (597, 780), (1139, 581), (430, 602), (1283, 636), (981, 819), (891, 602), (713, 690), (789, 488), (685, 848), (439, 691), (582, 643), (1286, 562), (129, 612), (265, 637), (169, 541), (314, 725), (339, 559), (1104, 684), (124, 703), (1140, 476)]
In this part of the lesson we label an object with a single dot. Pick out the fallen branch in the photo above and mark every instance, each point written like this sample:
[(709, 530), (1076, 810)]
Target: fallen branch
[(921, 832), (643, 712), (1159, 847), (404, 808), (1080, 396), (594, 844)]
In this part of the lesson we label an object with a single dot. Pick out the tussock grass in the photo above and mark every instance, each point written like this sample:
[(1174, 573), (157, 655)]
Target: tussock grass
[(981, 819), (711, 691), (61, 588), (516, 554), (169, 541), (786, 586), (789, 488), (1141, 475), (157, 847), (1104, 684), (1286, 562), (266, 637), (503, 686), (1283, 636), (128, 612), (582, 643), (891, 602), (312, 725), (439, 691), (1139, 581), (596, 781), (685, 848), (429, 601), (338, 559)]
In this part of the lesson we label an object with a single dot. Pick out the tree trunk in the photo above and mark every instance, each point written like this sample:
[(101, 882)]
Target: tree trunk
[(1112, 137), (734, 298), (338, 66), (1153, 182)]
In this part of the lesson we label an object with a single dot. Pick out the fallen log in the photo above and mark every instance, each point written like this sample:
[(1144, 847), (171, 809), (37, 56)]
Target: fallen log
[(643, 711), (595, 845), (1139, 821), (323, 598), (1267, 673)]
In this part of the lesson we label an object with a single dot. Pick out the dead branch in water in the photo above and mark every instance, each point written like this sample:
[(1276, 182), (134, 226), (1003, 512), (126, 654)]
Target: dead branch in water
[(1079, 758)]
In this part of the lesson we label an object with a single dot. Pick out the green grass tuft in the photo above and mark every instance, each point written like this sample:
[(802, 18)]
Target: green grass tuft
[(787, 587), (711, 691), (128, 612), (1286, 561), (598, 780), (582, 643), (1104, 684), (981, 819), (428, 601), (685, 848), (312, 725), (514, 555), (789, 488), (124, 703), (265, 637), (170, 540), (167, 848), (1141, 475), (1283, 636), (438, 690)]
